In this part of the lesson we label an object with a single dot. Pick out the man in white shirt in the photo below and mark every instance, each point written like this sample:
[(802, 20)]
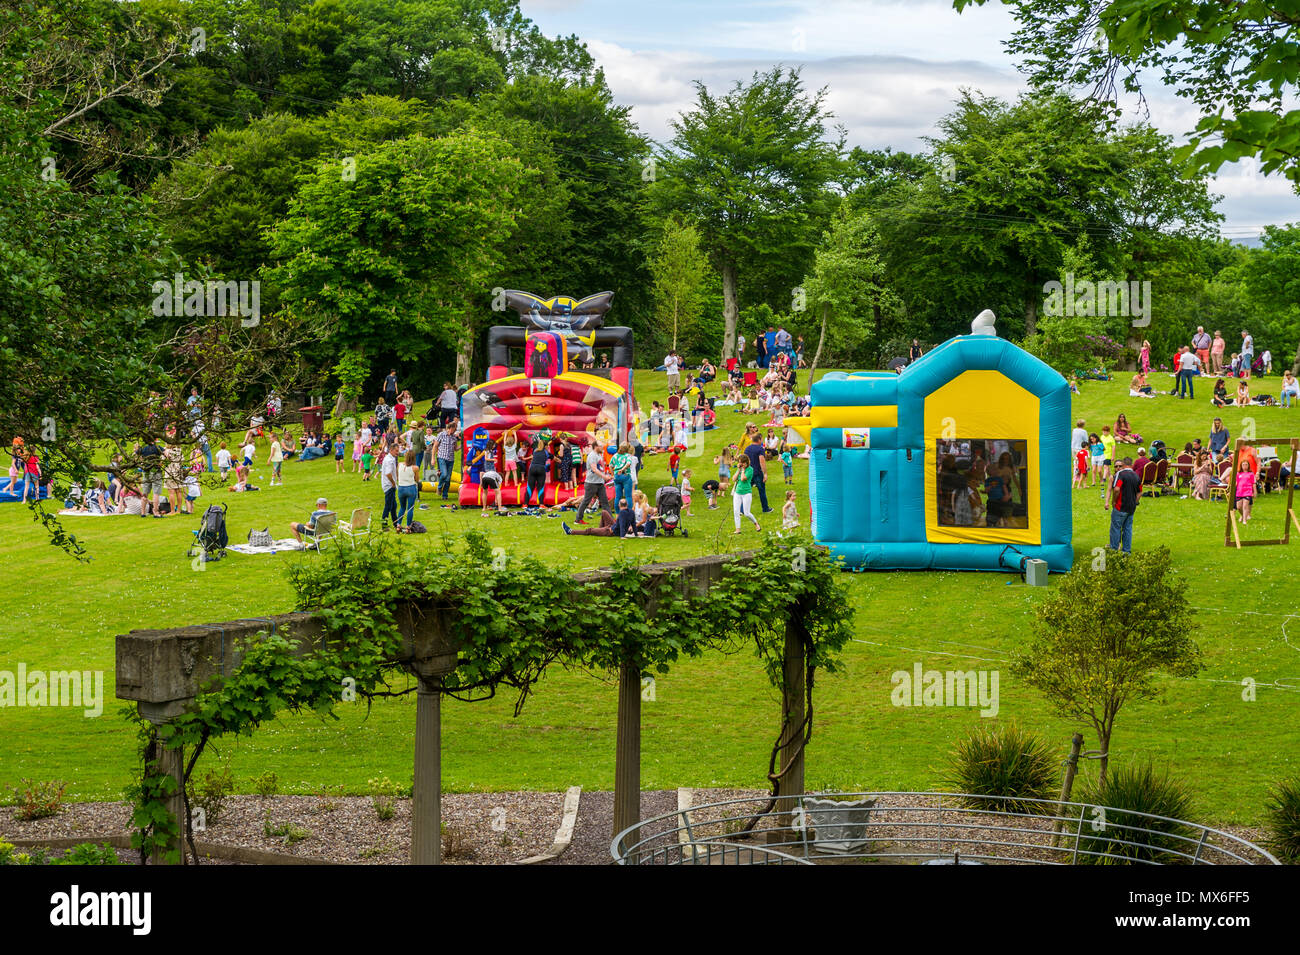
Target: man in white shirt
[(1188, 363), (388, 482), (593, 488), (672, 367)]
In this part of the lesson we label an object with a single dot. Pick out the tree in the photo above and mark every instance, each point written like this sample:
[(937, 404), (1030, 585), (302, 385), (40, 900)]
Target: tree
[(848, 282), (679, 269), (399, 257), (751, 170), (1272, 278), (1235, 61), (1103, 635)]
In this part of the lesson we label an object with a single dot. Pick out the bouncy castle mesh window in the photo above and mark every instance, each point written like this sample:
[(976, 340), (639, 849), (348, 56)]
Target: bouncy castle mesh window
[(982, 482)]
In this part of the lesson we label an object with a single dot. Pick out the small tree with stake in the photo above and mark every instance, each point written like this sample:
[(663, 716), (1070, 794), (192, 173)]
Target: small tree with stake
[(1100, 640)]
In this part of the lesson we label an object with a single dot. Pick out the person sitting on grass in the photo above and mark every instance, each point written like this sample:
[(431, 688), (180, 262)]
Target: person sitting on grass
[(1138, 387), (610, 526), (241, 481), (1243, 393), (1123, 433), (309, 529)]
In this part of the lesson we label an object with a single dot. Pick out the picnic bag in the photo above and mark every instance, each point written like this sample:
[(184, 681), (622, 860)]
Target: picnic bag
[(260, 538)]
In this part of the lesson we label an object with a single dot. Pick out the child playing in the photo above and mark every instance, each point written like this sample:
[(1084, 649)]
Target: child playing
[(787, 465), (250, 449), (723, 461), (1245, 488), (686, 491), (358, 449), (367, 460), (575, 451), (340, 448), (1082, 458), (1098, 456), (510, 455), (711, 488), (223, 461), (1107, 455), (789, 511)]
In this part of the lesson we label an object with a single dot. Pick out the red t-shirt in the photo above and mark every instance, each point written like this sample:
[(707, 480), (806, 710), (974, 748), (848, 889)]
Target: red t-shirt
[(1081, 460), (673, 459), (33, 464), (399, 411)]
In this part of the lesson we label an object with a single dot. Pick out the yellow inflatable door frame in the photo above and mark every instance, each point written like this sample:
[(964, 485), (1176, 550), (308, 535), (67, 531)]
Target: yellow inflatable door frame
[(982, 405)]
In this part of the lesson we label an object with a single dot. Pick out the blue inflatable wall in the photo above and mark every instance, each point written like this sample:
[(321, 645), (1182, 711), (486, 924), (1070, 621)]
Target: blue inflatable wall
[(962, 462)]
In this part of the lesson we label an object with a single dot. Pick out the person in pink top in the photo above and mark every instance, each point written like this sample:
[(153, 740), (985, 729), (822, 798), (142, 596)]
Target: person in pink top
[(1216, 353), (1245, 488)]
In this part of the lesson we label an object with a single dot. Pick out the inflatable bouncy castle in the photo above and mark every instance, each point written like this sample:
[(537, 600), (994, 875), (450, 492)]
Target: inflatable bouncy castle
[(962, 462), (543, 396)]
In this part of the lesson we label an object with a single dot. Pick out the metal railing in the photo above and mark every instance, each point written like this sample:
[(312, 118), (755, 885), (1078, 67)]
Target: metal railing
[(925, 827)]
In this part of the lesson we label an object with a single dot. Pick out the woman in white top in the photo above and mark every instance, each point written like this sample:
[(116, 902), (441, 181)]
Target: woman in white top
[(408, 484)]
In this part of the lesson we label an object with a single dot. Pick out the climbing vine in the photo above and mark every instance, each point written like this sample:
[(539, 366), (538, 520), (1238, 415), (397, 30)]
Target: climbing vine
[(508, 618)]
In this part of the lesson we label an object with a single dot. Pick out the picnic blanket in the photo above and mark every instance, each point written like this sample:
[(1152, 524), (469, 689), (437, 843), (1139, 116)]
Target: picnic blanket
[(67, 513), (287, 543)]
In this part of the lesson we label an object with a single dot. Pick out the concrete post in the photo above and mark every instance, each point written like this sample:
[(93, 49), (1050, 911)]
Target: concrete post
[(627, 754), (426, 808), (170, 762), (790, 755)]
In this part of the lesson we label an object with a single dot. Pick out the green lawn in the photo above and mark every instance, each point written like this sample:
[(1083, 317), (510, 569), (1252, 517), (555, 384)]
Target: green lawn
[(714, 719)]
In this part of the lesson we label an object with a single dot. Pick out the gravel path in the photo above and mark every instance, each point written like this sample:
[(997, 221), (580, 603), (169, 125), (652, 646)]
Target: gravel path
[(501, 828)]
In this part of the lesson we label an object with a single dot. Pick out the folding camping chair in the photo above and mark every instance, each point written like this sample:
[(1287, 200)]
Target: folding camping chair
[(359, 526), (324, 530)]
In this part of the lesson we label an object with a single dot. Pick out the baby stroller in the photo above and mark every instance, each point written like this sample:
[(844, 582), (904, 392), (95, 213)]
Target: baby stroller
[(668, 502), (210, 539)]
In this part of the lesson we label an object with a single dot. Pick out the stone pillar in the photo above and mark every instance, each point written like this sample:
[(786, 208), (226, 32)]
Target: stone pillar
[(426, 802), (627, 758), (793, 707), (170, 762)]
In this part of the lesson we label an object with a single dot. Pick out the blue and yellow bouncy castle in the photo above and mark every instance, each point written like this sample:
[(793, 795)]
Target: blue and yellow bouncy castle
[(962, 462)]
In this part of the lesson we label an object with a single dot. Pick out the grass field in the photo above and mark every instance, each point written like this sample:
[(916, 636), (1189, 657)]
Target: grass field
[(713, 720)]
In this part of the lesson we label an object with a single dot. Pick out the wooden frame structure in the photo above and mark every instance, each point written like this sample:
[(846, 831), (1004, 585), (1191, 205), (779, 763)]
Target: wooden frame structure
[(1231, 533)]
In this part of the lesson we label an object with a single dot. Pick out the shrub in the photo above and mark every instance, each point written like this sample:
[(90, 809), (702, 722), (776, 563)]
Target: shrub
[(87, 853), (1112, 836), (1283, 820), (455, 843), (383, 796), (37, 800), (1007, 763), (267, 784), (209, 792)]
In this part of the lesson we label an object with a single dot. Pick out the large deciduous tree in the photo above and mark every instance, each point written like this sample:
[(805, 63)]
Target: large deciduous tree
[(752, 169), (399, 251), (1235, 61)]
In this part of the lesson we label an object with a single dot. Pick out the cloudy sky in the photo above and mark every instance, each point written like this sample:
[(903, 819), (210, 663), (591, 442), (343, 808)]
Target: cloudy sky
[(892, 69)]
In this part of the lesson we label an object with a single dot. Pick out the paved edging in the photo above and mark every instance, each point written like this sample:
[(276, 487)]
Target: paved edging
[(563, 835)]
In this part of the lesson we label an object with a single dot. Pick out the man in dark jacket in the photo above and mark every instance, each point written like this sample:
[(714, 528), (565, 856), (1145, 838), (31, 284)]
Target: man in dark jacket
[(1126, 491)]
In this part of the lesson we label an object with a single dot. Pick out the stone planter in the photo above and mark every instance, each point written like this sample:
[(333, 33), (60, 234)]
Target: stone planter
[(838, 826)]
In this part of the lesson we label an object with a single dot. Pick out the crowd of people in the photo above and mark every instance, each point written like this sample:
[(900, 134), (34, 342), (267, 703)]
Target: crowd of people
[(1203, 357)]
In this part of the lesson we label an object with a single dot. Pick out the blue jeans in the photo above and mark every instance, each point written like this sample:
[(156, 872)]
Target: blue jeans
[(1185, 384), (1121, 531), (207, 456), (444, 477), (390, 506), (1287, 396), (622, 488), (406, 495)]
